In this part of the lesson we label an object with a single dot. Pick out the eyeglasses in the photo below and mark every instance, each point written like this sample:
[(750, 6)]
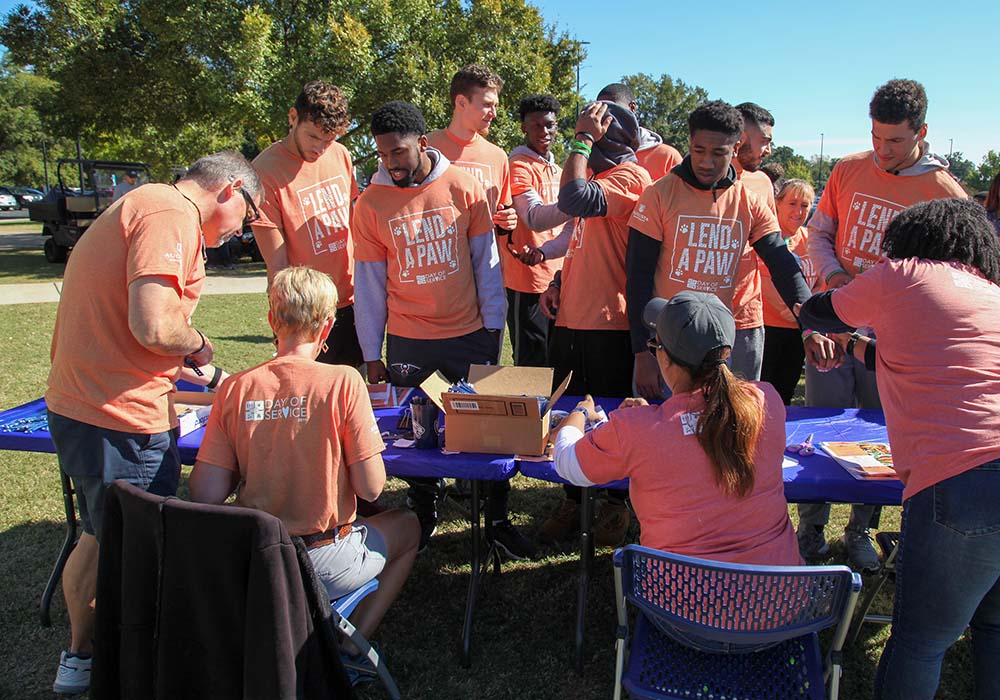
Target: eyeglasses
[(653, 345), (253, 213)]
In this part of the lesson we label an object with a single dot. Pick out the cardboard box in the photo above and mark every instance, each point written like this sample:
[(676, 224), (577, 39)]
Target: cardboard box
[(503, 416), (192, 408)]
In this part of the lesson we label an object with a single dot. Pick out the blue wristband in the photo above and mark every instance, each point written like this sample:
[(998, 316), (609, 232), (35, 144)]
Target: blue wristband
[(585, 412)]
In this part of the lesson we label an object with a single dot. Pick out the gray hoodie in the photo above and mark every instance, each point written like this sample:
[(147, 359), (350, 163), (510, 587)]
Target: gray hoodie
[(370, 307), (822, 243)]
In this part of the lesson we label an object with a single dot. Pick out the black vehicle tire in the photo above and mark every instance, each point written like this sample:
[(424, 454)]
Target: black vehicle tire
[(55, 253)]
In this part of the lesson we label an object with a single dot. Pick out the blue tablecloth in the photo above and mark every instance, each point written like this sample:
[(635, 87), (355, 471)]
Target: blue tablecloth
[(814, 479), (398, 461)]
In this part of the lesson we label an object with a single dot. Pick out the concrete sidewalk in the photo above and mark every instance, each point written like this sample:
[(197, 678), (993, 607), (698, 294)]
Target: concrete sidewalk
[(40, 292)]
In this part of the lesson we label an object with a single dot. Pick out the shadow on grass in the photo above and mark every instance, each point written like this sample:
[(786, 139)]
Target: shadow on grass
[(29, 653), (28, 266)]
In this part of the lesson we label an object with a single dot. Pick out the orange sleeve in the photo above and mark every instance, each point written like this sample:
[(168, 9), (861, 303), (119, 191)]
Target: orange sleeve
[(521, 179), (359, 432), (270, 206), (621, 192), (505, 187), (350, 169), (646, 216), (162, 245), (218, 446), (828, 201), (602, 453), (762, 219), (367, 246), (480, 218)]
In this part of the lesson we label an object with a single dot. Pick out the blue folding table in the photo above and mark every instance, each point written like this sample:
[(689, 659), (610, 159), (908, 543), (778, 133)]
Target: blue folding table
[(813, 479), (398, 462)]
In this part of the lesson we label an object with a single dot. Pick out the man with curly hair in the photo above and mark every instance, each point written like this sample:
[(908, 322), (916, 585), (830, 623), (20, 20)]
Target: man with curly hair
[(428, 276), (864, 193), (309, 185)]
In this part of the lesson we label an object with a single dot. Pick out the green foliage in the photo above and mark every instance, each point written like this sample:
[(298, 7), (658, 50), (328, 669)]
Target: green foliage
[(960, 166), (165, 81), (664, 105), (795, 165), (24, 96), (982, 176)]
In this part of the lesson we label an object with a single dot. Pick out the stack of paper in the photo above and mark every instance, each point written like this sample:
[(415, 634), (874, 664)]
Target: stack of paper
[(862, 460)]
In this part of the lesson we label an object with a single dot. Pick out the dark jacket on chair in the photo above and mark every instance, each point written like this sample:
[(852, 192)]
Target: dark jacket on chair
[(197, 601)]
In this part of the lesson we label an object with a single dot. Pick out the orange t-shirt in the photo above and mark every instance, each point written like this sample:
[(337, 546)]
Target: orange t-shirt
[(776, 313), (702, 234), (531, 174), (938, 363), (748, 309), (290, 428), (659, 160), (100, 373), (674, 490), (862, 198), (422, 234), (593, 277), (310, 204), (484, 160)]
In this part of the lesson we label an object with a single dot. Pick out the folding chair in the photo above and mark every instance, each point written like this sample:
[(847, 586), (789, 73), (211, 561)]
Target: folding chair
[(342, 609), (706, 629), (888, 542)]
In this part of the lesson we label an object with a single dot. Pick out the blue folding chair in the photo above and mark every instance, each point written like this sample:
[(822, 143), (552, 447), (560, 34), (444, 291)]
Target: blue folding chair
[(342, 609), (711, 630)]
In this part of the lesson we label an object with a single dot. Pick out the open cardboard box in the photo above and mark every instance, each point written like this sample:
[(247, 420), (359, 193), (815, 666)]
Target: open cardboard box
[(503, 416), (192, 408)]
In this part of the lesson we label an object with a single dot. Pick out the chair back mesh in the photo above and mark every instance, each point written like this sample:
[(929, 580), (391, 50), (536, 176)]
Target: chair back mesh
[(715, 606)]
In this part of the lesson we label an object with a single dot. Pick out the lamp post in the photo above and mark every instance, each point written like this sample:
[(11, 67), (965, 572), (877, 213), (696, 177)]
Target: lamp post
[(819, 175), (951, 147), (581, 44)]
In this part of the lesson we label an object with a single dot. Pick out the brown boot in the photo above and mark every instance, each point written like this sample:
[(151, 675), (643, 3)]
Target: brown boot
[(561, 524), (611, 523)]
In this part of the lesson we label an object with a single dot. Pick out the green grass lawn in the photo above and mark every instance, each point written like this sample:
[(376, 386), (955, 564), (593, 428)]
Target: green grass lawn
[(523, 636)]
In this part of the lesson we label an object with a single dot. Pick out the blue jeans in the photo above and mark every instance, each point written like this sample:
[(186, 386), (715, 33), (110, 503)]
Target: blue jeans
[(947, 578)]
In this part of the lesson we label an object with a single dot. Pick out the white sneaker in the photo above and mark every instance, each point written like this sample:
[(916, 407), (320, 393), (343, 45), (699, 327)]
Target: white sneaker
[(73, 676)]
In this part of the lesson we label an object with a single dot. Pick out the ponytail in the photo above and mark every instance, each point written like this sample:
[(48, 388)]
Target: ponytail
[(730, 423)]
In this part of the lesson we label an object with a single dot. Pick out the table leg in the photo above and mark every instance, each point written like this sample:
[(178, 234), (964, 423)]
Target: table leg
[(470, 602), (586, 564), (68, 543)]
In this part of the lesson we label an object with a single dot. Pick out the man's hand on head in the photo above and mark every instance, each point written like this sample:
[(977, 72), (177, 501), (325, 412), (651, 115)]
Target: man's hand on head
[(594, 120)]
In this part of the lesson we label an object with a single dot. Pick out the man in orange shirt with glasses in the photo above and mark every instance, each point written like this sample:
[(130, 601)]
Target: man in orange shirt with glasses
[(122, 337)]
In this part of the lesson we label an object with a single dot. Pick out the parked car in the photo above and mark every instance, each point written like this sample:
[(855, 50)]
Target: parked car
[(26, 195), (8, 202)]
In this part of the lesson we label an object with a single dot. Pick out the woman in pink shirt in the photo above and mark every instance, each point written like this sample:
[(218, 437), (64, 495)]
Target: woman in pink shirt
[(704, 468), (934, 303)]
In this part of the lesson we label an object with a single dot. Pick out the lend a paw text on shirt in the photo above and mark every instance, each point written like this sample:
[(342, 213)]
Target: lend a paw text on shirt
[(422, 234)]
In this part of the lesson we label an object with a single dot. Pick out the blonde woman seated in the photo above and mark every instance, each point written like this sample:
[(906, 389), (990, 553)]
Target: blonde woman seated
[(299, 439), (704, 467)]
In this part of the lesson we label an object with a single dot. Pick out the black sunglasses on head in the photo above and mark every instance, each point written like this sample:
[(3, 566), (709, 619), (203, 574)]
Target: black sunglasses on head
[(253, 213)]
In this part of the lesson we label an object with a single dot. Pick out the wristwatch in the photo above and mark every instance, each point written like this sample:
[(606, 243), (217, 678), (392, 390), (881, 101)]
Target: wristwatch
[(855, 337)]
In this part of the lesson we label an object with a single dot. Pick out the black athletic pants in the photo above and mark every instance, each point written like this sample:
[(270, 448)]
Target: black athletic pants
[(783, 358), (528, 328), (342, 343)]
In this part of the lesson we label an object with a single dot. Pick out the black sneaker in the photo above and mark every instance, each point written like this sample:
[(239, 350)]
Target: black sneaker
[(428, 526), (511, 542)]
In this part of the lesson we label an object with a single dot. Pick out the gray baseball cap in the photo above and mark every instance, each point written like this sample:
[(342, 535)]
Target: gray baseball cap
[(690, 325)]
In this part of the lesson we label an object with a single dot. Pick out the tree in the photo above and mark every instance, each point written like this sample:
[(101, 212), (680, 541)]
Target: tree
[(982, 176), (167, 80), (664, 105), (795, 165), (959, 166), (24, 97)]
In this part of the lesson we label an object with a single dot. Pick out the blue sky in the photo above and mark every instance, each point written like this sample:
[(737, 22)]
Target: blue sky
[(814, 64)]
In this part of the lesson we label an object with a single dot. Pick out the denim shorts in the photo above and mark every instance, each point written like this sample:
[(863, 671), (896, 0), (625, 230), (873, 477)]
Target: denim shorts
[(351, 562), (93, 457)]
